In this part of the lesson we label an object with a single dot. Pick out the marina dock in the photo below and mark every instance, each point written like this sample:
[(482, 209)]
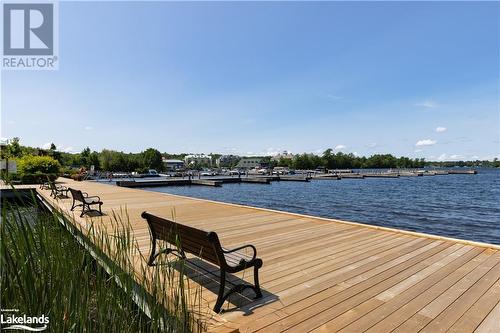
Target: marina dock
[(218, 181), (208, 181), (323, 275)]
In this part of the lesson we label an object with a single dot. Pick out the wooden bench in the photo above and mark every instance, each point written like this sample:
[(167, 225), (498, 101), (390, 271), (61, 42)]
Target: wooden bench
[(57, 190), (205, 245), (85, 201)]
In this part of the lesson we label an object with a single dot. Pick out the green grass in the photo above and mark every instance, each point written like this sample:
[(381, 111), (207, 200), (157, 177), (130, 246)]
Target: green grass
[(44, 270)]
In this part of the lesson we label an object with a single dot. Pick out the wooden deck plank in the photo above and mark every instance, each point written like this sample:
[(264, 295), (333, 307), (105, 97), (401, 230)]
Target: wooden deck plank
[(367, 288), (323, 274), (452, 313), (490, 323), (356, 306), (441, 302), (423, 281), (473, 317), (295, 302), (404, 312)]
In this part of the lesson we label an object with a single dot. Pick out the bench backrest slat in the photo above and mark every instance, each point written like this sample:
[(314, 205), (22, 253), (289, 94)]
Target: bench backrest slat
[(77, 194), (203, 244)]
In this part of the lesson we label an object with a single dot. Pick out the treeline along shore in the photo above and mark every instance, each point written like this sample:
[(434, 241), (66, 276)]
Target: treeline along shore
[(151, 158)]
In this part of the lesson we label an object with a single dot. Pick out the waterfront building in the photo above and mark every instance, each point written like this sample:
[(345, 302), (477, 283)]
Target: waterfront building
[(250, 163), (284, 154), (227, 161), (173, 165), (198, 159)]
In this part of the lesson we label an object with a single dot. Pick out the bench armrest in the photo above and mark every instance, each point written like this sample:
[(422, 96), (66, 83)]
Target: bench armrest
[(241, 248), (94, 196)]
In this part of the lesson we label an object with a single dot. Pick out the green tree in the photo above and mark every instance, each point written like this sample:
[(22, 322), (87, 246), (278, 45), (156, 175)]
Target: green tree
[(54, 153), (152, 159), (94, 160), (85, 157), (14, 148), (285, 162)]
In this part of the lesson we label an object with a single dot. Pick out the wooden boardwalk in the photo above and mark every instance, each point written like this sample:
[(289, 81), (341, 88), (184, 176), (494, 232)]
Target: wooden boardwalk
[(323, 275)]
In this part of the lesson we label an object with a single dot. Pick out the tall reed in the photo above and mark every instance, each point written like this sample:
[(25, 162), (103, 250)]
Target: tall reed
[(45, 270)]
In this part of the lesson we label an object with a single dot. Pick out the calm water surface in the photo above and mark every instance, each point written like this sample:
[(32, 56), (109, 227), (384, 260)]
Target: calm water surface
[(460, 206)]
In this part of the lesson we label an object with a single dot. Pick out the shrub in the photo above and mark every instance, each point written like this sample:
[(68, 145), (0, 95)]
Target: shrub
[(69, 170), (8, 177), (77, 177), (36, 169)]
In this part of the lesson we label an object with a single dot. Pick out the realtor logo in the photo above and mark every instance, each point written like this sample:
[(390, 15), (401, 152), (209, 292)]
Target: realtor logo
[(29, 36), (11, 320)]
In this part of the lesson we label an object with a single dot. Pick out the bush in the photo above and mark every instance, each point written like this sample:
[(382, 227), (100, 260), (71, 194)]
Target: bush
[(36, 169), (77, 177), (69, 170), (8, 177)]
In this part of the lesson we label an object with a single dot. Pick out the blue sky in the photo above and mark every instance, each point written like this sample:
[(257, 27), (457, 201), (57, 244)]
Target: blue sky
[(413, 79)]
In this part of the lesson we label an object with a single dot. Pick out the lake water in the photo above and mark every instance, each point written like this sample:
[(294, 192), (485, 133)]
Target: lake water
[(460, 206)]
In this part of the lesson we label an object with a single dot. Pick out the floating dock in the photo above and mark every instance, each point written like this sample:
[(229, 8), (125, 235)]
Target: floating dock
[(327, 177), (462, 172), (323, 275), (262, 179), (216, 182), (380, 175), (351, 176)]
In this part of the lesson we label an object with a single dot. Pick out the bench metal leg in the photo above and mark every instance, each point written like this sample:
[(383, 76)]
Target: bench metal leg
[(221, 298), (83, 210), (86, 209), (152, 256), (237, 288), (258, 292), (73, 206)]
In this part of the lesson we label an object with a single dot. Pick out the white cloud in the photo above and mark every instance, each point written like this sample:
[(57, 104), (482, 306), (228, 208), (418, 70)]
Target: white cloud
[(340, 147), (319, 151), (418, 150), (446, 157), (69, 149), (427, 104), (441, 129), (88, 128), (271, 151), (425, 142), (334, 97)]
